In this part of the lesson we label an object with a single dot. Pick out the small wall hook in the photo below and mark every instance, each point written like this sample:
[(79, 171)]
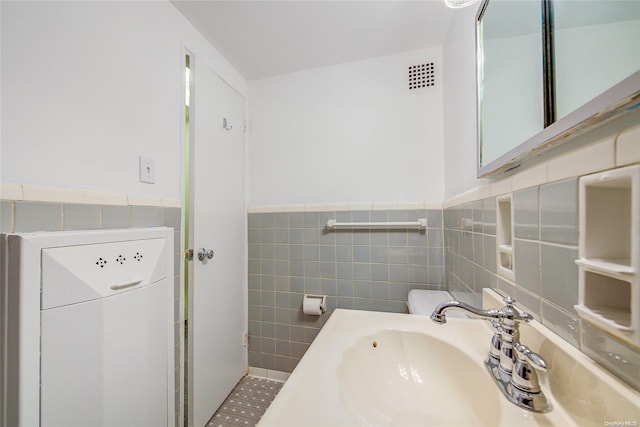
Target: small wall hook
[(226, 125)]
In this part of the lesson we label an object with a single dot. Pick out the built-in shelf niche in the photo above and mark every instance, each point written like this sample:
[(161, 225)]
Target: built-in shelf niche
[(608, 221), (609, 298), (609, 252), (504, 236)]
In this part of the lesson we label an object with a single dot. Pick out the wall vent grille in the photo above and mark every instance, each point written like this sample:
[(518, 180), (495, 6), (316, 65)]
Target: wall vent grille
[(421, 76)]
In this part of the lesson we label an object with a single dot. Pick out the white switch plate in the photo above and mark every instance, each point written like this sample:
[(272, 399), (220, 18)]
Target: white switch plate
[(147, 170)]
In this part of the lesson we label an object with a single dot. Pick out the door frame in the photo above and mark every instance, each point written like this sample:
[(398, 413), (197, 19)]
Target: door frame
[(184, 233)]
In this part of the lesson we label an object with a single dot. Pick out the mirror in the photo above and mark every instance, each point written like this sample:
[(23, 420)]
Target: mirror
[(596, 45), (511, 73), (549, 70)]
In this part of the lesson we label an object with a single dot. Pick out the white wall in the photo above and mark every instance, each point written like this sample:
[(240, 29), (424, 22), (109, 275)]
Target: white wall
[(347, 133), (460, 119), (89, 86)]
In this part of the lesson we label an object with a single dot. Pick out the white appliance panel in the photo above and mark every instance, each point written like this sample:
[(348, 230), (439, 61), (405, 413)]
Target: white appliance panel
[(100, 353), (104, 362), (74, 274)]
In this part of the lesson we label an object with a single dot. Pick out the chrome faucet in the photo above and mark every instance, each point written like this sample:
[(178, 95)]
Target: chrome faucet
[(439, 317), (509, 362)]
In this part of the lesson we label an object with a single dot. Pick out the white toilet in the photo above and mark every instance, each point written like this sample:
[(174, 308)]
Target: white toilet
[(423, 302)]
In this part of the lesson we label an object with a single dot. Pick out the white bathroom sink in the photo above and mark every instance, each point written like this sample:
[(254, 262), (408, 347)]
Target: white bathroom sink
[(419, 374), (387, 369), (396, 377)]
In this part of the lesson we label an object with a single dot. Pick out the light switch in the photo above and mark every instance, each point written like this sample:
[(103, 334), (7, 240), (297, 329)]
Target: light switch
[(147, 170)]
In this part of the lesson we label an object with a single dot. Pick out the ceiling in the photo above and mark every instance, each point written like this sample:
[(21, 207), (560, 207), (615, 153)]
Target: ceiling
[(268, 38)]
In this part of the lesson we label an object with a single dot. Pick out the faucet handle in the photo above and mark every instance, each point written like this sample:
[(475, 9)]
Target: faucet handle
[(525, 388), (523, 377), (527, 317), (508, 300), (510, 311), (534, 359)]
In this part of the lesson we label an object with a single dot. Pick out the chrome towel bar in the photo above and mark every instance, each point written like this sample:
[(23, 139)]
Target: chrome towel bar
[(419, 224)]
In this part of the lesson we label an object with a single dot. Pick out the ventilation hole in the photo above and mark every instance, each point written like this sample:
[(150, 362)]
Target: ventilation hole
[(137, 257), (421, 76), (121, 259), (101, 262)]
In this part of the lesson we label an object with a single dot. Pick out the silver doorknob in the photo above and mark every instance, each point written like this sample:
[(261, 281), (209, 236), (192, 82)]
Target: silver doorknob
[(203, 253)]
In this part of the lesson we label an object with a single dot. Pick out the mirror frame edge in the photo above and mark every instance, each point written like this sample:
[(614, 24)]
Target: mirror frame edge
[(479, 79), (618, 100)]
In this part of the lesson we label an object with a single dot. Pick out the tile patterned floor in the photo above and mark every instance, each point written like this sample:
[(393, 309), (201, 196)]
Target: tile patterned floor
[(246, 404)]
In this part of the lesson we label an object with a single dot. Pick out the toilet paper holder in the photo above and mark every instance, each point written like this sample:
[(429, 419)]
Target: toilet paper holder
[(310, 301)]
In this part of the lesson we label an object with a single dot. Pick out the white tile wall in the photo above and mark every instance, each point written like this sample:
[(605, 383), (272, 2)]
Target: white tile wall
[(144, 200), (38, 193), (628, 147), (105, 198), (530, 177), (593, 158), (10, 191), (337, 207)]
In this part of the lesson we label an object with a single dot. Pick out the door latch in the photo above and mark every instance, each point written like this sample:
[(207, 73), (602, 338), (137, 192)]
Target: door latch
[(188, 254)]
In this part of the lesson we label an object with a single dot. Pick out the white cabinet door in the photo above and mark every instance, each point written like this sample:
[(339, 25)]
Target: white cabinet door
[(104, 362)]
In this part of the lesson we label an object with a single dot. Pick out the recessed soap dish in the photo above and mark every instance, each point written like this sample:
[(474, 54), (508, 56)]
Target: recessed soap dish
[(609, 252), (504, 236)]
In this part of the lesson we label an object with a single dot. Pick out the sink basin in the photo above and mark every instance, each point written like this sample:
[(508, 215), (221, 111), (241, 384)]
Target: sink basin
[(395, 377), (385, 369)]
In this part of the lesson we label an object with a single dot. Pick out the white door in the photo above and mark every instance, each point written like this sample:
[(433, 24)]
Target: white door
[(217, 306)]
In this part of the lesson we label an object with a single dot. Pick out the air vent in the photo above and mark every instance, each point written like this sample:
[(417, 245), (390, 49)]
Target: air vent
[(421, 76)]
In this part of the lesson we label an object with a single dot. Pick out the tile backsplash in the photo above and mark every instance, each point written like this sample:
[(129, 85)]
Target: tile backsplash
[(546, 275), (292, 253)]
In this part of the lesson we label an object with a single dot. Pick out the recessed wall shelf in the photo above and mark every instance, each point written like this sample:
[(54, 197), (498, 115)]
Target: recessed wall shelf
[(609, 252), (504, 235), (607, 266)]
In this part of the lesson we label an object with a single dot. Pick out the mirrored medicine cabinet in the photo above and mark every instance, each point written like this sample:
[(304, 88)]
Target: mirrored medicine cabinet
[(549, 70)]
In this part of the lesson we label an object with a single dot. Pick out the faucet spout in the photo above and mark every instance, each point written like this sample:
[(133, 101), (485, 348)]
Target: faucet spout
[(509, 362), (439, 317)]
